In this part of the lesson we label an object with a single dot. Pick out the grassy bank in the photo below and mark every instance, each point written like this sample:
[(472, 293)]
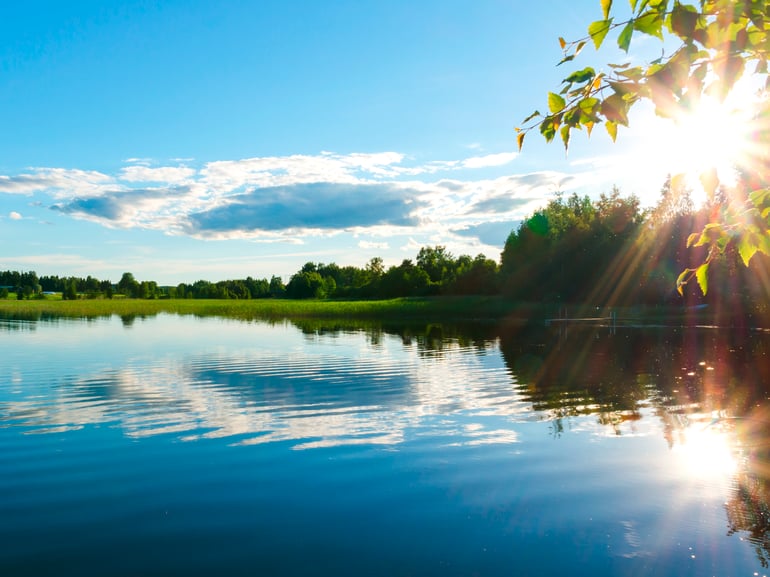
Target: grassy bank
[(436, 308)]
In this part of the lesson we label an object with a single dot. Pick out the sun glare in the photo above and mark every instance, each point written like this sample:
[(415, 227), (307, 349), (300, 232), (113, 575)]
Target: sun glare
[(714, 134), (706, 453)]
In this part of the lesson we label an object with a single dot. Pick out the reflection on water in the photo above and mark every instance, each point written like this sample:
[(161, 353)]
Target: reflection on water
[(312, 396), (632, 445), (708, 389)]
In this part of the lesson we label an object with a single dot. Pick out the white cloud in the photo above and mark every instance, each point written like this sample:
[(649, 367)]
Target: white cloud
[(14, 215), (291, 198), (58, 182)]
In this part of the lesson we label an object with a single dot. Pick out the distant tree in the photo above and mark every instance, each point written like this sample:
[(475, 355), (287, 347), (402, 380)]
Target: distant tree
[(181, 291), (309, 267), (675, 201), (553, 252), (106, 289), (128, 285), (437, 262), (70, 291), (479, 276), (375, 267), (305, 285), (277, 288), (258, 288), (404, 280), (3, 293)]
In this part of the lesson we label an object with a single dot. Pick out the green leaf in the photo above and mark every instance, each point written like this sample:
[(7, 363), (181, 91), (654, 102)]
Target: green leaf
[(683, 21), (701, 274), (712, 232), (636, 73), (612, 129), (572, 117), (650, 23), (747, 248), (759, 197), (565, 136), (555, 102), (624, 40), (606, 6), (690, 239), (633, 5), (535, 114), (623, 87), (598, 31), (581, 76), (589, 106), (615, 108), (547, 129), (763, 243)]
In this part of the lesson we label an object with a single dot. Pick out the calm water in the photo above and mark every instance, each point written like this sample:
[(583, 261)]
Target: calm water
[(204, 446)]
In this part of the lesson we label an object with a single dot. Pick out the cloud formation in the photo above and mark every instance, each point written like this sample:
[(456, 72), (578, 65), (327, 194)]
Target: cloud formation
[(312, 206), (286, 198)]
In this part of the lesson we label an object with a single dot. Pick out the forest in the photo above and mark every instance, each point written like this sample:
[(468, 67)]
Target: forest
[(608, 251)]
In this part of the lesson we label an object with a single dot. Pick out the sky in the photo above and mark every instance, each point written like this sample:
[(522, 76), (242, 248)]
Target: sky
[(190, 139)]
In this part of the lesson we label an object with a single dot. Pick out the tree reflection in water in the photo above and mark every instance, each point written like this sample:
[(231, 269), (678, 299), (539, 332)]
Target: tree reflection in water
[(748, 507), (708, 387)]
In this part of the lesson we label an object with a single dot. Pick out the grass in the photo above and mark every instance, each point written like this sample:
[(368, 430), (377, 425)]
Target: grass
[(433, 308), (430, 309)]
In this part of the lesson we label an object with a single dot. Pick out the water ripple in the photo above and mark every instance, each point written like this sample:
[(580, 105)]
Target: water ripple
[(314, 399)]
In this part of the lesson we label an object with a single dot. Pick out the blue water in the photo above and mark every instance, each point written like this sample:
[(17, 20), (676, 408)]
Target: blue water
[(205, 446)]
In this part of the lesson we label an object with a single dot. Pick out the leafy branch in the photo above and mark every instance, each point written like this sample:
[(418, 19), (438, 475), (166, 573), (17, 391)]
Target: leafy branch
[(717, 42)]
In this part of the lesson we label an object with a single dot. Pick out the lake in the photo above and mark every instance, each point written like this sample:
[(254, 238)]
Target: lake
[(179, 445)]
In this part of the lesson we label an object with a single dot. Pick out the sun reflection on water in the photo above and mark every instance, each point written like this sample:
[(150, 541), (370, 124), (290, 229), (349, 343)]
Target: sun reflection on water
[(707, 451)]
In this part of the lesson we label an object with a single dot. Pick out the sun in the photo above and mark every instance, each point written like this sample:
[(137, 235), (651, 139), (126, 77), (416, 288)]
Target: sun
[(714, 134)]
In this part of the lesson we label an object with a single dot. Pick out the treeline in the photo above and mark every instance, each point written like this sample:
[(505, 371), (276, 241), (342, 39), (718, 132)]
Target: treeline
[(435, 271), (608, 252)]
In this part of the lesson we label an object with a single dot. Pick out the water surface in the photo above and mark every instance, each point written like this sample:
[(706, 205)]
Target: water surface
[(201, 446)]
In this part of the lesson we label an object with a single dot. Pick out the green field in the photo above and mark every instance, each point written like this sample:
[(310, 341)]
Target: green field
[(435, 308)]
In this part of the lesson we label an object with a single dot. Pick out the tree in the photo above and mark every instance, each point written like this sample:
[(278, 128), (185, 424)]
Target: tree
[(277, 288), (477, 276), (437, 262), (405, 280), (70, 291), (128, 285), (715, 44), (305, 285)]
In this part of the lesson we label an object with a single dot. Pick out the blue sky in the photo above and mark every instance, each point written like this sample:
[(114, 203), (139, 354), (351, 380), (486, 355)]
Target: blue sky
[(187, 140)]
